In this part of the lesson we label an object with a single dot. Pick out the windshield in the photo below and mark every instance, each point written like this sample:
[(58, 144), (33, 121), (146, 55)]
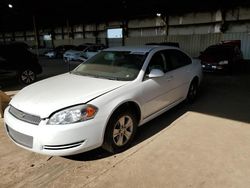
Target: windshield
[(218, 51), (115, 65)]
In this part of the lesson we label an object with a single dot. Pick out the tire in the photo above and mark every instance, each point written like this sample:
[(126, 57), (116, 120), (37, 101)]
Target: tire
[(192, 91), (120, 132), (27, 76)]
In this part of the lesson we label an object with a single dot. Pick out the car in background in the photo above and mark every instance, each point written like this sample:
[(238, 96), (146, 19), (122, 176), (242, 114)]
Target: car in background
[(40, 51), (225, 56), (58, 51), (20, 61), (17, 44), (102, 101), (82, 52)]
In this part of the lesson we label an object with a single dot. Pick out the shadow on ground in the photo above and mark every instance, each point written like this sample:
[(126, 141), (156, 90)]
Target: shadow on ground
[(222, 96), (144, 132)]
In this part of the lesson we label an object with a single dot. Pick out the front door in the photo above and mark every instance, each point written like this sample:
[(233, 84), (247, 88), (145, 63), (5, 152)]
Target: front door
[(157, 92)]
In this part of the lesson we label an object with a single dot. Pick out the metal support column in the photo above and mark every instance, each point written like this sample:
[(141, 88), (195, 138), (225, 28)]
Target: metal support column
[(36, 35)]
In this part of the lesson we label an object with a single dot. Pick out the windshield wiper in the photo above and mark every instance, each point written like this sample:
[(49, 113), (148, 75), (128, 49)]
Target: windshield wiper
[(87, 74), (111, 78), (96, 76)]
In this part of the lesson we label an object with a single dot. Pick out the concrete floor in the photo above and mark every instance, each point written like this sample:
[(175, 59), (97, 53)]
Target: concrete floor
[(206, 144)]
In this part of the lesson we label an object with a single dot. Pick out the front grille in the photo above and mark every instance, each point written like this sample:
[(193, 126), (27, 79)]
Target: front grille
[(20, 138), (60, 147), (24, 116)]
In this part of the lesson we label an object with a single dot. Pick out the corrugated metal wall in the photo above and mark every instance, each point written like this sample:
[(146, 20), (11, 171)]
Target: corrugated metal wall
[(245, 42), (142, 40), (74, 42), (193, 44)]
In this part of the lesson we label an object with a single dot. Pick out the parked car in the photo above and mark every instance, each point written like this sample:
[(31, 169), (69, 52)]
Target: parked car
[(40, 51), (225, 56), (102, 101), (82, 52), (16, 44), (19, 60), (59, 51)]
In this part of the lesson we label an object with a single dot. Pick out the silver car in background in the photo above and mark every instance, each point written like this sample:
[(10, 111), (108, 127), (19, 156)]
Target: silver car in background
[(82, 52)]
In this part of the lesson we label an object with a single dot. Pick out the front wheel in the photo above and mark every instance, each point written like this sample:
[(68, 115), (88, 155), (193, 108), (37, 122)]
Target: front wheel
[(120, 132), (27, 76)]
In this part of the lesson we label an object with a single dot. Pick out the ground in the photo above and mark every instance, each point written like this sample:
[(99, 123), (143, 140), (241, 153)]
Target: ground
[(204, 144)]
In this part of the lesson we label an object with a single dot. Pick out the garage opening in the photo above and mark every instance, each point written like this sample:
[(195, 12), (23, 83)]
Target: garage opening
[(115, 37)]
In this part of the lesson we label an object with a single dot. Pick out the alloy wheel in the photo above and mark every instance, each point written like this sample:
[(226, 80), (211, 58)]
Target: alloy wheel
[(123, 130), (192, 91), (28, 76)]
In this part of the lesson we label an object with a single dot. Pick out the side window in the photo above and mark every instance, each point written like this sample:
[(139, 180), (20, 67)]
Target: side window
[(99, 48), (177, 59), (237, 50), (92, 49), (157, 62), (88, 49)]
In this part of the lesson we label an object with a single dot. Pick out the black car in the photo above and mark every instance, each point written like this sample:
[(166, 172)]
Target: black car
[(20, 61), (224, 57)]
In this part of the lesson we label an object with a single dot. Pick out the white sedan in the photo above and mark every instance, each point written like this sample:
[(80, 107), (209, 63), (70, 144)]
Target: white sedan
[(102, 101), (82, 52)]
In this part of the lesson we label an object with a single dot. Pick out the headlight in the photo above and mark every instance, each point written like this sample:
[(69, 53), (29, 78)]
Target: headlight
[(223, 62), (73, 115)]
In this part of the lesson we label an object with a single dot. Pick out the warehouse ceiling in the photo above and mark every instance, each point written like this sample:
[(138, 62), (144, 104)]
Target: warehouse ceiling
[(49, 13)]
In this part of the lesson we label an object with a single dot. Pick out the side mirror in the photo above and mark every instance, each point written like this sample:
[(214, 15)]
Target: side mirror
[(156, 73)]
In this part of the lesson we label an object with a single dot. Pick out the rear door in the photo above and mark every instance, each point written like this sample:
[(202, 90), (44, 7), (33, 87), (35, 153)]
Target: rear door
[(7, 54), (181, 66), (3, 64)]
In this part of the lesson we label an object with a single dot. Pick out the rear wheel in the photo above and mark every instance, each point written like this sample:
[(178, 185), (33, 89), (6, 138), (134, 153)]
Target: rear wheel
[(27, 76), (193, 91), (120, 132)]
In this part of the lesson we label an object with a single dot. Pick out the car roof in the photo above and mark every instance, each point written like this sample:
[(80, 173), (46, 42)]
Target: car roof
[(141, 49), (90, 44), (221, 46), (175, 44)]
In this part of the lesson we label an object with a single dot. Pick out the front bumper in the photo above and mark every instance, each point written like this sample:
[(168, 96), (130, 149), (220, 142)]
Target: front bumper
[(53, 140), (212, 67)]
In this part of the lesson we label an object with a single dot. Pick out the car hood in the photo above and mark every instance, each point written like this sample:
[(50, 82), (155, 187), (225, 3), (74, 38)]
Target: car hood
[(52, 94)]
